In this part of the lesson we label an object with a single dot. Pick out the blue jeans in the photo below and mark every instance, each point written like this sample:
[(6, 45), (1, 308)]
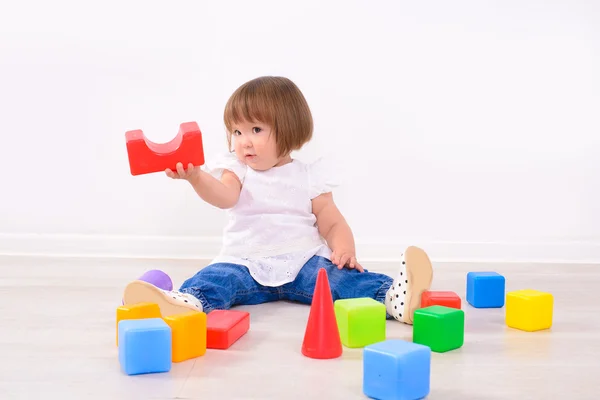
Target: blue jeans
[(221, 286)]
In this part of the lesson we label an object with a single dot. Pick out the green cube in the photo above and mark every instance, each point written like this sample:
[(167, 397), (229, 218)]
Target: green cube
[(361, 321), (441, 328)]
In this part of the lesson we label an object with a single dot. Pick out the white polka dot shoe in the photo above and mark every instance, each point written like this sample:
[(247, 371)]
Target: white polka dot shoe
[(414, 277), (170, 302)]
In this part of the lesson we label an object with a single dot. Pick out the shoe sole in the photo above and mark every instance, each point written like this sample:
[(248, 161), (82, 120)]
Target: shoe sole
[(420, 274), (144, 292)]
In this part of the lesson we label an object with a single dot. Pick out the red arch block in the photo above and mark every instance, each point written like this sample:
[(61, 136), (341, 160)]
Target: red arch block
[(146, 157)]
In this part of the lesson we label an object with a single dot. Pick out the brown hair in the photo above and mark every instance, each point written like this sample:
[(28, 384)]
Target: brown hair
[(275, 101)]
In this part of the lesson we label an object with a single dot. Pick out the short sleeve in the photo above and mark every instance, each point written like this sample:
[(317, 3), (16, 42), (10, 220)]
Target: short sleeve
[(226, 161), (322, 178)]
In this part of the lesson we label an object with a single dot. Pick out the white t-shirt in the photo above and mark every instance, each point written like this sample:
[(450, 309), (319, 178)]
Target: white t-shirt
[(272, 230)]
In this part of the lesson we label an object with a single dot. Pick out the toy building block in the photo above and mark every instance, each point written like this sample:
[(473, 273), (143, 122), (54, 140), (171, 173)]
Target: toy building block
[(322, 337), (396, 369), (136, 311), (441, 328), (529, 310), (188, 335), (485, 289), (438, 298), (145, 346), (225, 327), (147, 157), (361, 321)]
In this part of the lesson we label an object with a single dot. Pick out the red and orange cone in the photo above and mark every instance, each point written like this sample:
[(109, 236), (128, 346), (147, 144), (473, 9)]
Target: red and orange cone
[(322, 337)]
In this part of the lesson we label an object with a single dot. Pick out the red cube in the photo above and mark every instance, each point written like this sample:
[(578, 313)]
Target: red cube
[(225, 327), (434, 298)]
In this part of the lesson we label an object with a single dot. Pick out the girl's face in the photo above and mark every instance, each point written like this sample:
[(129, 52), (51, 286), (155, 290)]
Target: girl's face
[(255, 146)]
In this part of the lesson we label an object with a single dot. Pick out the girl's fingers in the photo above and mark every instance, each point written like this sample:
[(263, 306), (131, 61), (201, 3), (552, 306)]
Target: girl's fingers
[(338, 261), (344, 260), (358, 266), (180, 170)]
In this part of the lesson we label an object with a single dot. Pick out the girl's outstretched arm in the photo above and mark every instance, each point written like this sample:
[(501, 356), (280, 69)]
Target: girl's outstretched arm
[(223, 193)]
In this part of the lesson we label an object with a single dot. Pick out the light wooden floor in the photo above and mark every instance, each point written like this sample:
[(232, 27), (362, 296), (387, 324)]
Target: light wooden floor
[(58, 341)]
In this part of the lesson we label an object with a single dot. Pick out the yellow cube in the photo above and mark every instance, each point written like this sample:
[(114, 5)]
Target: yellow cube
[(529, 310), (137, 311), (188, 335)]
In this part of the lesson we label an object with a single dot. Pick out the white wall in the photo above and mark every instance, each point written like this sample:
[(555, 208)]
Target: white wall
[(467, 127)]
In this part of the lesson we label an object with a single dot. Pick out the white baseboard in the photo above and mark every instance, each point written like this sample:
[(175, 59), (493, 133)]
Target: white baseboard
[(205, 248)]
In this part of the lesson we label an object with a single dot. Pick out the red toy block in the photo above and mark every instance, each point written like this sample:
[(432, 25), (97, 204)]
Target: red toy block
[(433, 298), (322, 337), (146, 157), (225, 327)]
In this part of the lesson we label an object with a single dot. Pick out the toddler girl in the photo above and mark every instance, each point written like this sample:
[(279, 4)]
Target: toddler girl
[(283, 222)]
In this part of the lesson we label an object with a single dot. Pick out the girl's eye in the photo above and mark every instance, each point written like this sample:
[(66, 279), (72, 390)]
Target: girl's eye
[(256, 129), (236, 133)]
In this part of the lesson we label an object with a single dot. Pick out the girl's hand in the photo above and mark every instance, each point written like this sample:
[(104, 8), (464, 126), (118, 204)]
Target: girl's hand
[(345, 258), (180, 173)]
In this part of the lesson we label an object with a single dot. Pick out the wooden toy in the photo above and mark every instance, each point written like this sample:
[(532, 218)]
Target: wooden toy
[(438, 298), (529, 310), (136, 311), (396, 369), (441, 328), (361, 321), (485, 289), (147, 157), (188, 335), (145, 346), (225, 327), (322, 337)]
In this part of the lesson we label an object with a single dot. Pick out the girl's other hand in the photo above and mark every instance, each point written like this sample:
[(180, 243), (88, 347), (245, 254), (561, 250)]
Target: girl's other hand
[(346, 258)]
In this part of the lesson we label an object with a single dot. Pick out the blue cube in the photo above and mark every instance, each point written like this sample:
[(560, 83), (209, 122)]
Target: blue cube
[(144, 346), (397, 370), (485, 289)]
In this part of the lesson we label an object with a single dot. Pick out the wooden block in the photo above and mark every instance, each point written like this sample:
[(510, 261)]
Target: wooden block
[(225, 327), (137, 311), (189, 335)]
